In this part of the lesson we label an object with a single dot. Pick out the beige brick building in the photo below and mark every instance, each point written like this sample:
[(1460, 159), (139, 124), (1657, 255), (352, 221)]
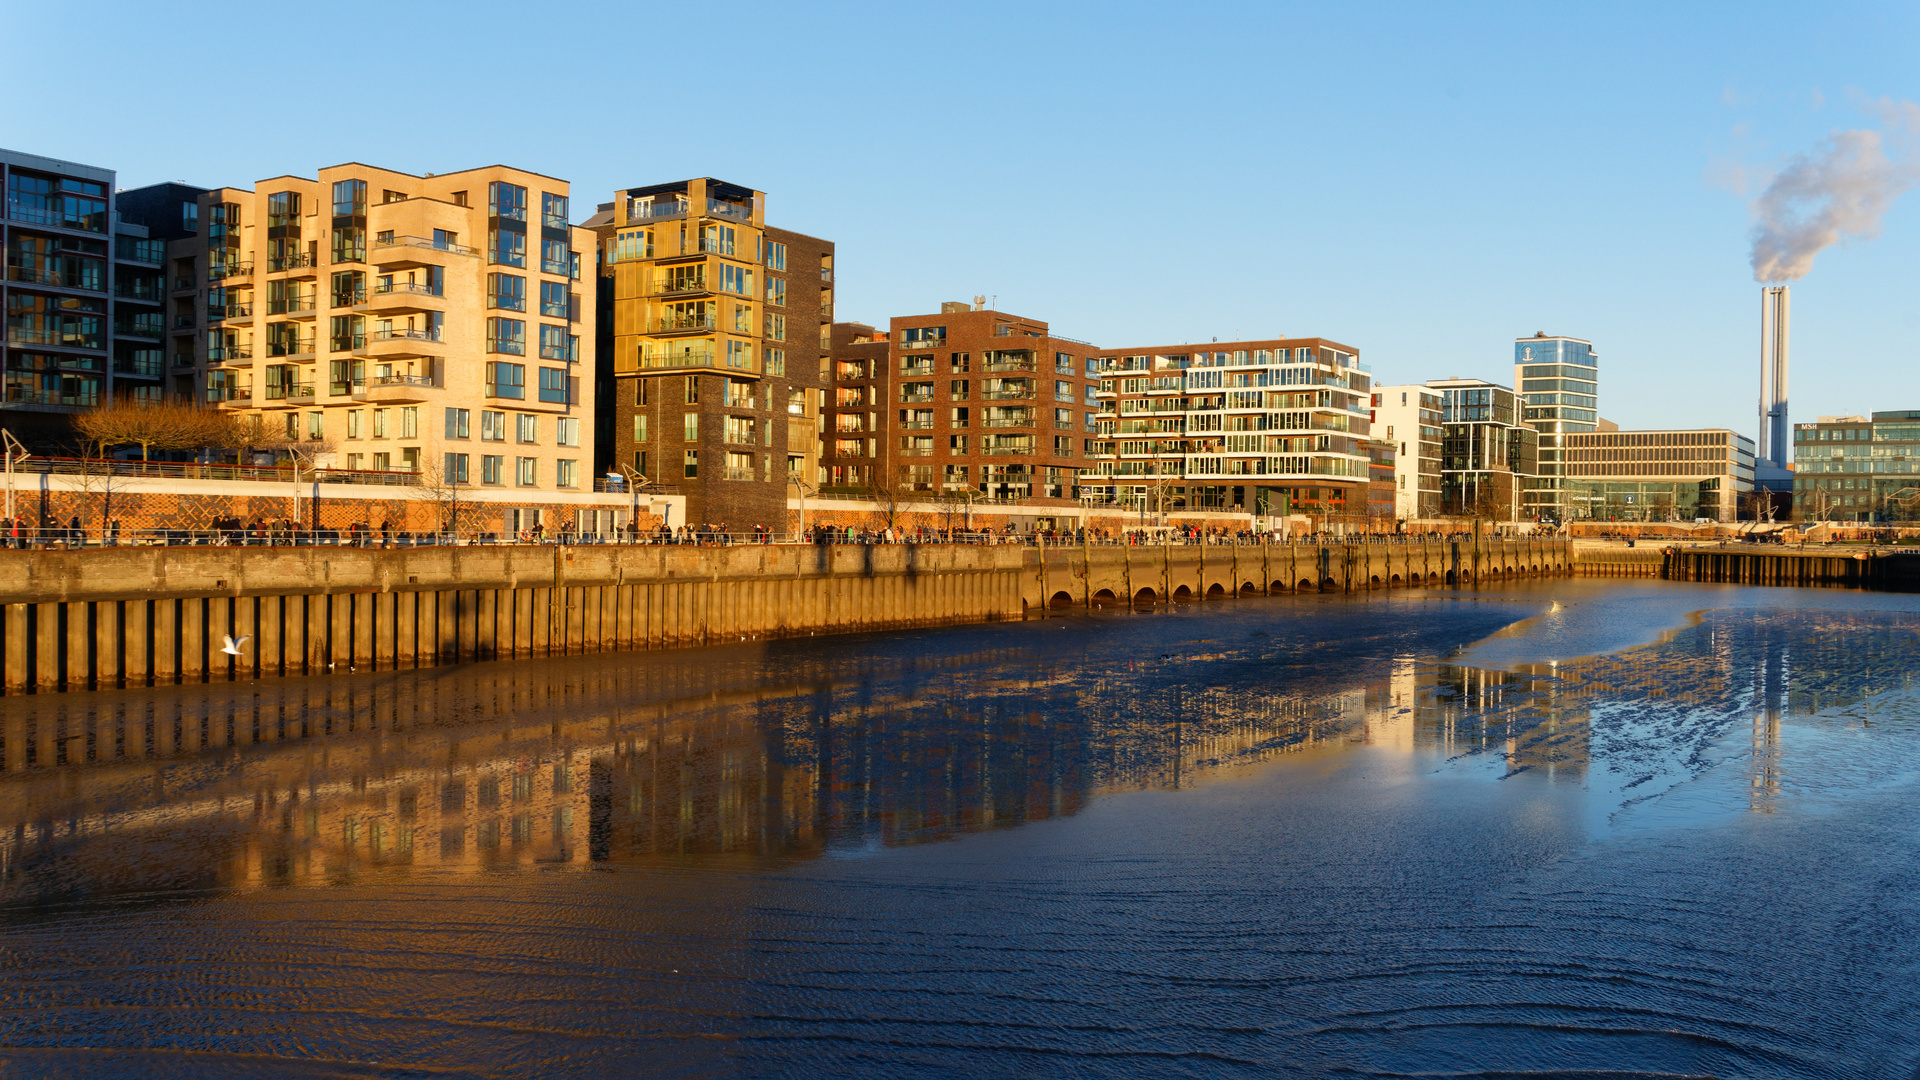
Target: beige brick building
[(397, 323)]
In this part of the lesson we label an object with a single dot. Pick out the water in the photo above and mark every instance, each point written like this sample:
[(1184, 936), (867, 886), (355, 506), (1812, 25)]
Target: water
[(1558, 829)]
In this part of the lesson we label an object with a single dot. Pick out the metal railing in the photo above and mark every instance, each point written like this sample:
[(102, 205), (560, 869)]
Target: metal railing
[(302, 261), (422, 242), (406, 288), (686, 322), (57, 279), (405, 333)]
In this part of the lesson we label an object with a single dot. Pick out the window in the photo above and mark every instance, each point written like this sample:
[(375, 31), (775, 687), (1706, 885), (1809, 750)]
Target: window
[(717, 239), (742, 319), (506, 336), (692, 424), (555, 344), (507, 292), (190, 216), (553, 385), (1063, 418), (740, 355), (380, 423), (526, 471), (692, 459), (555, 301), (526, 428), (777, 291), (491, 468), (958, 389), (506, 380), (493, 426), (737, 280), (776, 256), (738, 429), (693, 389), (777, 362), (957, 418), (409, 423), (456, 469), (506, 200), (457, 420), (776, 327), (353, 423), (553, 210), (566, 473), (956, 444), (959, 363), (1062, 445), (349, 197), (316, 422), (506, 248), (553, 256), (633, 244), (566, 431), (640, 427)]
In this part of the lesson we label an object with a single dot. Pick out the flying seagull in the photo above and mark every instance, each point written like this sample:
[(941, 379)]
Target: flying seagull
[(232, 647)]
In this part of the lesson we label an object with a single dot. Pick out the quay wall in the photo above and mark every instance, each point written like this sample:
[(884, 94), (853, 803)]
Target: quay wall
[(109, 618)]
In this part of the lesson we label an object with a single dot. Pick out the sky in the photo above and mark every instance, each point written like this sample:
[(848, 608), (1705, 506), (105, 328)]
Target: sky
[(1423, 182)]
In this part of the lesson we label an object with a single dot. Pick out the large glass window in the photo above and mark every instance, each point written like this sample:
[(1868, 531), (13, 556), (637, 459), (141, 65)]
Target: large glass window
[(507, 336), (555, 343), (507, 201), (526, 428), (553, 257), (457, 423), (62, 201), (553, 210), (506, 248), (456, 469), (507, 292), (553, 385), (349, 197), (493, 426), (506, 380), (555, 300)]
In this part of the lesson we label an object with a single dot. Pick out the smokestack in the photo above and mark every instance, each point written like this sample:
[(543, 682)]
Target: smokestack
[(1775, 305)]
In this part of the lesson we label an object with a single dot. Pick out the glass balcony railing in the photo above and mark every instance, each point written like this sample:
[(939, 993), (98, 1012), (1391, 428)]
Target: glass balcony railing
[(403, 288), (290, 262), (423, 242), (405, 333), (677, 323), (291, 305), (733, 211)]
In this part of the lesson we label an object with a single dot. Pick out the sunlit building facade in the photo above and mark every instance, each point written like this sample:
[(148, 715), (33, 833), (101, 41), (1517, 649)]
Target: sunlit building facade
[(1558, 379)]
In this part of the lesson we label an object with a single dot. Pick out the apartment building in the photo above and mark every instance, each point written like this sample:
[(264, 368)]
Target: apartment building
[(1857, 468), (972, 400), (1409, 418), (1266, 427), (169, 214), (1488, 454), (1558, 379), (717, 346), (1657, 475), (83, 298), (391, 322), (856, 450)]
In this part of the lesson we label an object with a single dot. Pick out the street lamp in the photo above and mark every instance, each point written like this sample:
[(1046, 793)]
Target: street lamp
[(635, 481), (14, 452), (800, 485)]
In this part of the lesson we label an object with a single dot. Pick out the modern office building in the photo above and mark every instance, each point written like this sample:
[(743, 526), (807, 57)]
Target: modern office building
[(856, 450), (1380, 483), (718, 345), (1488, 455), (390, 322), (1559, 383), (1409, 418), (83, 299), (1858, 468), (1265, 427), (1657, 475)]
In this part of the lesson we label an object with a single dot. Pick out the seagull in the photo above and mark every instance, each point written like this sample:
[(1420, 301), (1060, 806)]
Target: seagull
[(232, 647)]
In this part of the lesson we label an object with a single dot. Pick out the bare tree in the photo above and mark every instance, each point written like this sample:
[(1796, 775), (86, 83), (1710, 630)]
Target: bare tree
[(165, 425), (442, 492)]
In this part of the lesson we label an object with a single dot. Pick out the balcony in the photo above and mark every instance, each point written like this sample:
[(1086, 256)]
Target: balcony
[(395, 389), (405, 296), (234, 397), (656, 210), (694, 360), (826, 275), (923, 343), (1007, 448), (1008, 422), (734, 473), (915, 425), (300, 307), (52, 399), (402, 252), (685, 324), (149, 329), (186, 284), (349, 298), (59, 219), (57, 279), (230, 312), (183, 360), (732, 211), (680, 286), (220, 271), (27, 335), (1011, 365), (1025, 394), (916, 399), (235, 356), (289, 394), (139, 369), (143, 291), (399, 341), (296, 265), (295, 349)]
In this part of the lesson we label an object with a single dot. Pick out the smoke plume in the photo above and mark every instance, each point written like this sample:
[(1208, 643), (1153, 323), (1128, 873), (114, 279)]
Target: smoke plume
[(1839, 192)]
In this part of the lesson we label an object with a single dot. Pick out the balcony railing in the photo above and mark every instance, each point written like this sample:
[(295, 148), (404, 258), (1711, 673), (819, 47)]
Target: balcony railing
[(679, 286), (24, 395), (1007, 449), (95, 222), (183, 322), (677, 323), (26, 335), (222, 270), (826, 275), (923, 343), (145, 291), (230, 393), (230, 311), (731, 210), (183, 360), (290, 392), (294, 347), (290, 262), (58, 279), (144, 329), (405, 333), (910, 399), (550, 266), (1012, 365), (219, 354), (291, 305), (185, 283), (734, 473), (423, 242), (1008, 421), (916, 451), (1006, 395), (915, 425), (401, 288), (143, 369), (655, 210)]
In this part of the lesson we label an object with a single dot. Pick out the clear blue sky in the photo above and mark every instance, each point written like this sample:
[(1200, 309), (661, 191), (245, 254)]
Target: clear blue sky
[(1422, 181)]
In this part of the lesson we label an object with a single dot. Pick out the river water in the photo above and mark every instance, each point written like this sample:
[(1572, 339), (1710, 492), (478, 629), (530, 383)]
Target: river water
[(1569, 828)]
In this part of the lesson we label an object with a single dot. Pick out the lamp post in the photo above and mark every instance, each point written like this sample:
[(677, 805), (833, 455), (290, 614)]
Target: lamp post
[(635, 481), (14, 452), (802, 487)]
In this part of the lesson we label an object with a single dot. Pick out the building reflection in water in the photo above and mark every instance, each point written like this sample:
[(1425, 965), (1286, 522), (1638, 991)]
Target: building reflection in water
[(777, 752)]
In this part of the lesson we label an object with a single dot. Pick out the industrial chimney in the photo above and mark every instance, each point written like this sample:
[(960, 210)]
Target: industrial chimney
[(1774, 305)]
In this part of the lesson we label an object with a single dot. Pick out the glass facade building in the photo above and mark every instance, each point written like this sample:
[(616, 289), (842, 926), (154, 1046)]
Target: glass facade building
[(1856, 468), (1558, 379), (1489, 458)]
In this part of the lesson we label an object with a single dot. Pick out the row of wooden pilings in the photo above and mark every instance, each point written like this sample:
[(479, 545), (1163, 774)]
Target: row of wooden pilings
[(1760, 566)]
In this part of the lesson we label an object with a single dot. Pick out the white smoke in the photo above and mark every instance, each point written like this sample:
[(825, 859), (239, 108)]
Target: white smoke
[(1840, 192)]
